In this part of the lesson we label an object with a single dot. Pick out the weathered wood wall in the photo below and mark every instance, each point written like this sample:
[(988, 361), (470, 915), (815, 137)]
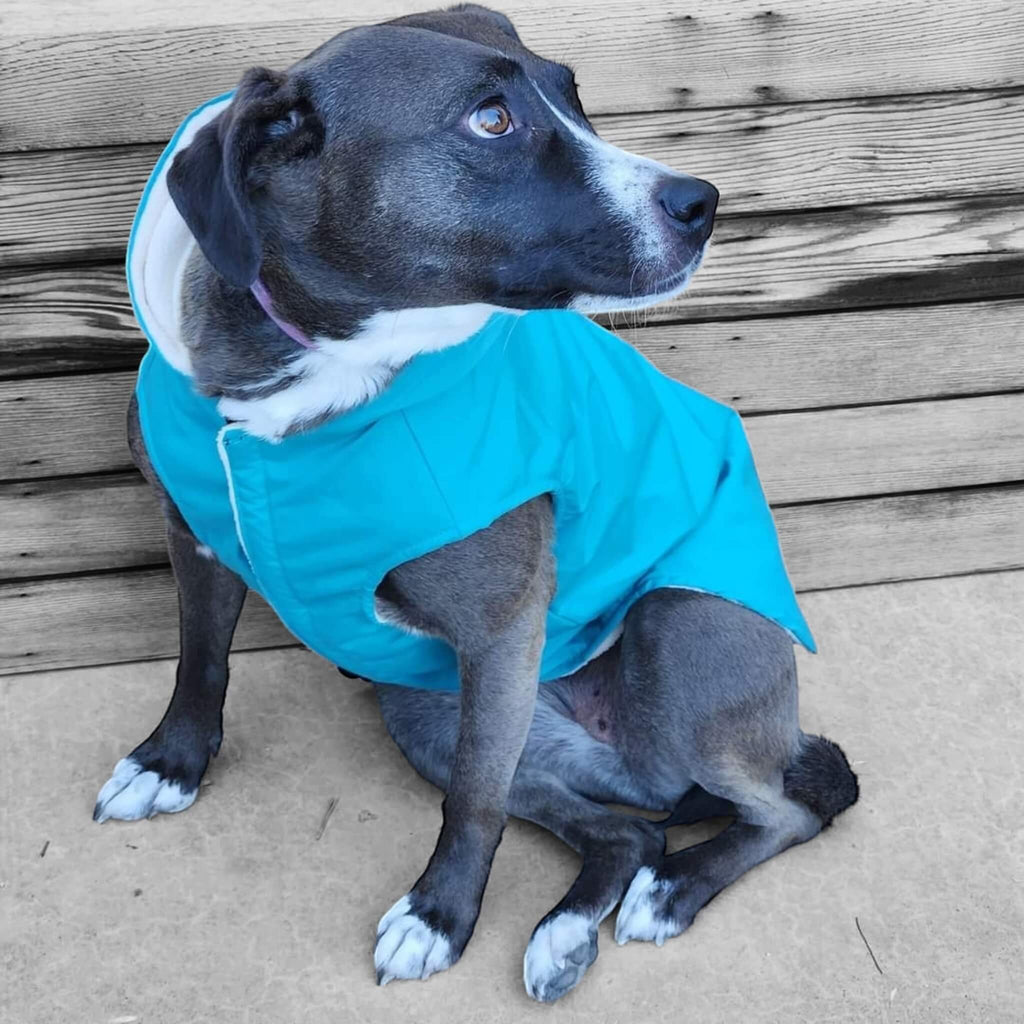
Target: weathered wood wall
[(862, 304)]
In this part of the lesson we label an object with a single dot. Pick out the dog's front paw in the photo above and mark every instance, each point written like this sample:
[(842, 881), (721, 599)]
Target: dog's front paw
[(134, 792), (649, 911), (561, 949), (161, 775), (408, 947)]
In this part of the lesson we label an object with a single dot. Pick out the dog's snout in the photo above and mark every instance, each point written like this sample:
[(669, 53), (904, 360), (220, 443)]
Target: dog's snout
[(690, 205)]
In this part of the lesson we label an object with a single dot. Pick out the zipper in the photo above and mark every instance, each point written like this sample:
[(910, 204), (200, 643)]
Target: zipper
[(226, 464)]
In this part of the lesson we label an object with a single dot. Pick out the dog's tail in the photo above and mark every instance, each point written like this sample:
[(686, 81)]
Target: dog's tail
[(821, 778)]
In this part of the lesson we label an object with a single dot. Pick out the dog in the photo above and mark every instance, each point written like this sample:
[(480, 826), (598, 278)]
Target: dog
[(362, 222)]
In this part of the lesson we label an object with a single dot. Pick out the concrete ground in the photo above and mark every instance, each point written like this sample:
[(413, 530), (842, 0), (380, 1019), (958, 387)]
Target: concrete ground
[(235, 911)]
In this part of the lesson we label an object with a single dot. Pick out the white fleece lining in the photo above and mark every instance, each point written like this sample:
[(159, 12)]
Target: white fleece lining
[(161, 246)]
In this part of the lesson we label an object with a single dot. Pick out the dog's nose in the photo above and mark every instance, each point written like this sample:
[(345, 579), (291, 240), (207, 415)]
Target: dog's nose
[(690, 205)]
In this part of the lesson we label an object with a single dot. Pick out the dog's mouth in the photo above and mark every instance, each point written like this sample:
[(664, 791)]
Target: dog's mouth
[(657, 291), (678, 281)]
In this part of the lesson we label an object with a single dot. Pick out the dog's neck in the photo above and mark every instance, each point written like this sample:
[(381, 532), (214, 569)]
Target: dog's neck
[(248, 355)]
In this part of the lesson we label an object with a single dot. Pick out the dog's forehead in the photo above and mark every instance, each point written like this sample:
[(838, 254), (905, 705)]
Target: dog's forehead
[(415, 66)]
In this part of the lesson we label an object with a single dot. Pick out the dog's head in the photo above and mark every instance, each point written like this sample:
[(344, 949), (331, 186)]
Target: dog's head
[(434, 160)]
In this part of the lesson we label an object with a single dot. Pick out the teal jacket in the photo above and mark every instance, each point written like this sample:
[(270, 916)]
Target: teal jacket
[(653, 485)]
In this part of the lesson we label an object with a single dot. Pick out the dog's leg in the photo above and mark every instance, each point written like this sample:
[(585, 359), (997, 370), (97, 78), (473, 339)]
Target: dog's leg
[(612, 846), (495, 621), (698, 805), (712, 686), (559, 754), (162, 774), (664, 896)]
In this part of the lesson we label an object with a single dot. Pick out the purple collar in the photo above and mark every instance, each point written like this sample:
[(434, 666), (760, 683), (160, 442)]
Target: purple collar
[(262, 296)]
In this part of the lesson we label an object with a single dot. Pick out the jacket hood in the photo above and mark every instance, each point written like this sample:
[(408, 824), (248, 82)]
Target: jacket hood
[(159, 246)]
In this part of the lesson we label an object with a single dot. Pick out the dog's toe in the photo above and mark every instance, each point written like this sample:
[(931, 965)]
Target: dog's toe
[(407, 947), (132, 793), (646, 912), (561, 949)]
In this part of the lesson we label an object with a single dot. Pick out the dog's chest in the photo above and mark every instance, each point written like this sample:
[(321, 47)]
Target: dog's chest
[(336, 376)]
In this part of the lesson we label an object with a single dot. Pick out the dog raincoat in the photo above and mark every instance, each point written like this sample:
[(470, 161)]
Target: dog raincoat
[(653, 484)]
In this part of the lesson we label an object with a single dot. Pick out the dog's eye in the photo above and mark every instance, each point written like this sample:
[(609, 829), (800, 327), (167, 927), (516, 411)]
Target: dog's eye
[(490, 120), (285, 125)]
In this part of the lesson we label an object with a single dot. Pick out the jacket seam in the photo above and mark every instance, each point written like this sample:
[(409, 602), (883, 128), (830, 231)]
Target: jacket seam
[(430, 470)]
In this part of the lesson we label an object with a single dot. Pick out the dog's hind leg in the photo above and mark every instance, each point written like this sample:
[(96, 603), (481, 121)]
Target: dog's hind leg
[(664, 896), (162, 774), (698, 805), (711, 687)]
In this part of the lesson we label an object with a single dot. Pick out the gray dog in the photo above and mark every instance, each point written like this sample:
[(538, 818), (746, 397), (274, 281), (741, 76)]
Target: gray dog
[(355, 234)]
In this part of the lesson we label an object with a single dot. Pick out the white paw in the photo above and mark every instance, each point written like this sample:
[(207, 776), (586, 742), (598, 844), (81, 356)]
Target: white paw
[(407, 947), (130, 794), (558, 955), (641, 915)]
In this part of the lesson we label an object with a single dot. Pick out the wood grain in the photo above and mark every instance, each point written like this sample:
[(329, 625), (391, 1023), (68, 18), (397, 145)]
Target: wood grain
[(119, 74), (57, 320), (861, 256), (72, 525), (884, 255), (857, 358), (79, 524), (111, 617), (837, 153), (911, 536), (758, 365), (91, 620), (78, 204), (802, 456), (838, 453), (868, 156), (62, 425)]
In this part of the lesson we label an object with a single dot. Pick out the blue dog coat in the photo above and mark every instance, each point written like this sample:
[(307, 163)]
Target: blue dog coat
[(653, 484)]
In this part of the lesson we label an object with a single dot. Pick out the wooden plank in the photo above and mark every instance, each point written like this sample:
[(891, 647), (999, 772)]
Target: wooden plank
[(63, 425), (92, 620), (760, 365), (913, 446), (68, 204), (862, 256), (129, 77), (79, 524), (66, 320), (802, 456), (59, 17), (835, 153), (857, 358), (113, 617), (903, 537), (884, 255), (73, 204)]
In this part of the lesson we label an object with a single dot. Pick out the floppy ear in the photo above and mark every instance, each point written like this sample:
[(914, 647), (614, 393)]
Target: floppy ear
[(213, 179)]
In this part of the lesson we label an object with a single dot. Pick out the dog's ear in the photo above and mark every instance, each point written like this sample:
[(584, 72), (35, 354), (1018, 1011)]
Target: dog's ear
[(502, 21), (464, 21), (214, 179)]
